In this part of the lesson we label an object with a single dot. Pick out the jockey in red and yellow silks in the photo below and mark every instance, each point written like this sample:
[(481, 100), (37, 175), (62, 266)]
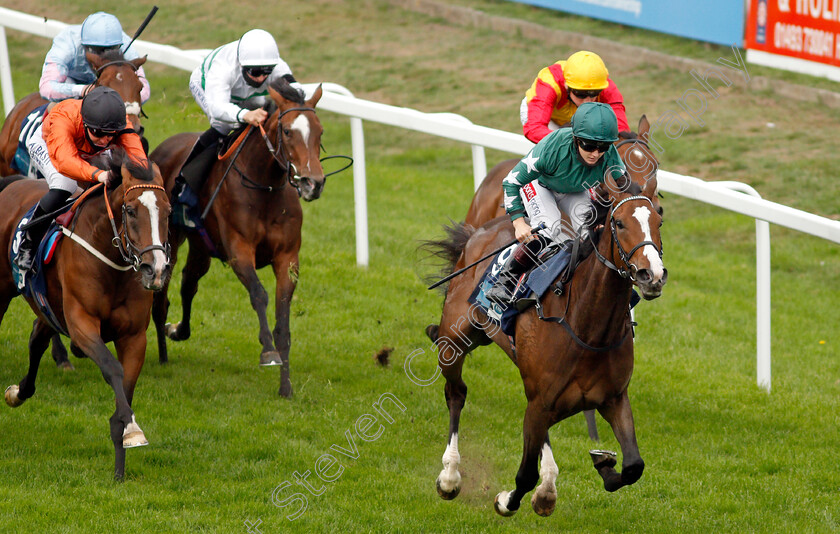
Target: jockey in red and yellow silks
[(559, 89)]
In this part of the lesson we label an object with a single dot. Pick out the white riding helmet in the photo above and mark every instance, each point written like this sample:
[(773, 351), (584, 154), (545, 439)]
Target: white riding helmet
[(257, 48), (101, 29)]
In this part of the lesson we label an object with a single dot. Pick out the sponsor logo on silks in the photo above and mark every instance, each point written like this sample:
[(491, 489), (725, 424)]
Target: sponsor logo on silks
[(19, 236), (529, 191)]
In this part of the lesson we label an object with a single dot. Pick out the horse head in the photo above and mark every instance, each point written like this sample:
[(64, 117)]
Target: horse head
[(114, 71), (638, 158), (142, 238), (298, 134), (635, 244)]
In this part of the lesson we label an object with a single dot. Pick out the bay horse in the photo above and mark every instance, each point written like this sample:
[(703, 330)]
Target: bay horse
[(100, 291), (574, 351), (112, 70), (638, 158), (254, 217)]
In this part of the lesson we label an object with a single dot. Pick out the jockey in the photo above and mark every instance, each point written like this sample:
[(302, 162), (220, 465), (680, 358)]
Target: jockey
[(555, 178), (67, 74), (231, 87), (560, 88), (73, 132)]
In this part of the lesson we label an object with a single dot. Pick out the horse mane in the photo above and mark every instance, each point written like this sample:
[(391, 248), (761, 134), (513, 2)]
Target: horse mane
[(10, 180), (141, 170), (111, 55), (628, 135), (282, 86)]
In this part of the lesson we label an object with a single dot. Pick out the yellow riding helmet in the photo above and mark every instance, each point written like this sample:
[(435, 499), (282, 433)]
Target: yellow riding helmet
[(585, 71)]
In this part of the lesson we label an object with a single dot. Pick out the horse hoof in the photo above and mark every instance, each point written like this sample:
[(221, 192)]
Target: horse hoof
[(133, 436), (602, 458), (500, 508), (432, 331), (66, 366), (11, 396), (447, 495), (543, 505), (173, 332), (269, 358)]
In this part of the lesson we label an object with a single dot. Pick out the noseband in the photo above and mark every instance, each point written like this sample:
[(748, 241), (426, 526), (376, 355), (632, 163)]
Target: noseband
[(130, 252)]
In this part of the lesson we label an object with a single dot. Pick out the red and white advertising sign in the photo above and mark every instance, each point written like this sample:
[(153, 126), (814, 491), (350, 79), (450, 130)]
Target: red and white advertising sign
[(801, 35)]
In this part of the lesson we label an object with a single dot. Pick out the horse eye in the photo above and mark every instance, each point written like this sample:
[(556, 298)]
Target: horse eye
[(287, 132), (130, 211), (619, 224)]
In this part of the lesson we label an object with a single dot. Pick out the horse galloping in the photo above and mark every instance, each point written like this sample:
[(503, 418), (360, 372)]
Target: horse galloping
[(112, 70), (574, 352), (99, 282), (252, 217)]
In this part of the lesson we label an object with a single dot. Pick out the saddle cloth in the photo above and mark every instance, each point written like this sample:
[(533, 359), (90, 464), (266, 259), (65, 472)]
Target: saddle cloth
[(532, 285), (22, 162), (33, 284)]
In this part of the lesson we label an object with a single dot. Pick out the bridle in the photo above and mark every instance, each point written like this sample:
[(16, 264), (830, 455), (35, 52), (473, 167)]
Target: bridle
[(625, 256), (130, 252)]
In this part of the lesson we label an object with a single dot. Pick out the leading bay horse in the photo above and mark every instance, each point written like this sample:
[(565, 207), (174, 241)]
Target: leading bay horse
[(99, 282), (254, 221), (575, 354), (638, 158), (112, 70)]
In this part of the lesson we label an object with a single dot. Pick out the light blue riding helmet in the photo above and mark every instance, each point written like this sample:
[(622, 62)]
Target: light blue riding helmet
[(101, 29)]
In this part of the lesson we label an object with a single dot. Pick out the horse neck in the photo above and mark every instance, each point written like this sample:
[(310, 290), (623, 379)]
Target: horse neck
[(255, 156), (600, 298), (94, 224)]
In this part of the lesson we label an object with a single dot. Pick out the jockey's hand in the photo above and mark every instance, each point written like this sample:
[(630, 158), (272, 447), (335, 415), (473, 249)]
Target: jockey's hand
[(104, 177), (522, 230), (255, 117)]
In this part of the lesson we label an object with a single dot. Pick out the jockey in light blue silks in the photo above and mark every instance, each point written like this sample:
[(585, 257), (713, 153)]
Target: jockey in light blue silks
[(67, 74)]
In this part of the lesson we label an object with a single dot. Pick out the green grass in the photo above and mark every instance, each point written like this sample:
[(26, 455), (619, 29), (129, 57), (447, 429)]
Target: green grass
[(721, 454)]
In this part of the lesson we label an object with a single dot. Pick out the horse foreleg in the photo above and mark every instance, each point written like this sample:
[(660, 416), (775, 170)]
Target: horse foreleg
[(545, 496), (242, 263), (39, 340), (618, 414), (534, 433), (84, 332), (160, 309), (286, 276), (197, 265), (59, 353), (448, 482)]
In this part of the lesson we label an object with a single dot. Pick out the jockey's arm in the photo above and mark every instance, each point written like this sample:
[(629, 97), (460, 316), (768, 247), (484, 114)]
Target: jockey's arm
[(540, 108), (612, 96), (59, 131)]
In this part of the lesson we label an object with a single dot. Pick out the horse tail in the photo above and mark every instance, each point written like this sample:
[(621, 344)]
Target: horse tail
[(450, 248), (10, 180)]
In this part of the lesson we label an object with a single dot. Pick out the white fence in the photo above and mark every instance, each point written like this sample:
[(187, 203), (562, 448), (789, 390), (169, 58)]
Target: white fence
[(339, 100)]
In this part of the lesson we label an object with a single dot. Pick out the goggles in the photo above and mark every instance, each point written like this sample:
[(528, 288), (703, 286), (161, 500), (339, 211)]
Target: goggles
[(256, 72), (585, 94), (97, 132), (591, 146)]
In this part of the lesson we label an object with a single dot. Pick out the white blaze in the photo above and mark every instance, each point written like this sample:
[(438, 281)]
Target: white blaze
[(148, 199), (642, 214)]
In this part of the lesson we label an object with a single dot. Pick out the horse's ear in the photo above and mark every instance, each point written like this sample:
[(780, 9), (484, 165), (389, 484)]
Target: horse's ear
[(644, 127), (139, 61), (650, 187), (316, 96), (93, 60)]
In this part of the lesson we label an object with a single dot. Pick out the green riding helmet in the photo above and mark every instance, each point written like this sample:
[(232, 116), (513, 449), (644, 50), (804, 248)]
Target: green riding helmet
[(595, 121)]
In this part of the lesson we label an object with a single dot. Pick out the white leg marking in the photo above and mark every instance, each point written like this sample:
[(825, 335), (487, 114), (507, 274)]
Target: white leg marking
[(642, 214), (449, 478), (548, 475)]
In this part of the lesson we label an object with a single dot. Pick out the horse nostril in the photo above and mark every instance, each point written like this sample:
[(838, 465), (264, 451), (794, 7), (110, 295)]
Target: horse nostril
[(644, 276), (146, 270)]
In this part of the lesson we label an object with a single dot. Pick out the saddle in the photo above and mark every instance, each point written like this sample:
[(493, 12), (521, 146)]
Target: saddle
[(21, 162)]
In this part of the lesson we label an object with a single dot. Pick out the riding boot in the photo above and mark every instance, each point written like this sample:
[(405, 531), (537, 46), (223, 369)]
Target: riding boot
[(191, 178), (30, 240), (523, 258)]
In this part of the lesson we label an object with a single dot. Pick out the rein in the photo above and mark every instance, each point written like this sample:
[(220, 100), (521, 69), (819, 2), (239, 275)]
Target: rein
[(130, 253), (624, 273), (117, 62)]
